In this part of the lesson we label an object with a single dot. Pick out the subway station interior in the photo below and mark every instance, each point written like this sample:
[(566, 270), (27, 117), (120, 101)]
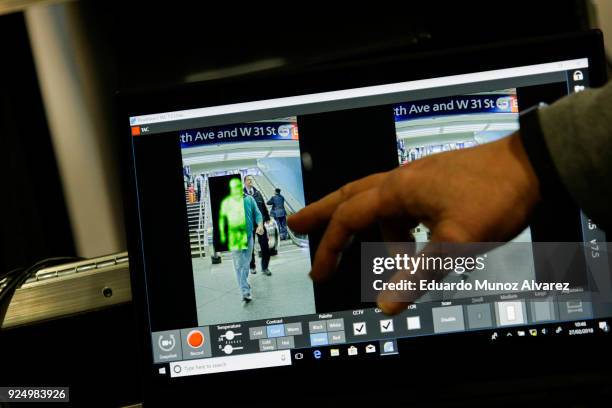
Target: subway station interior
[(272, 164)]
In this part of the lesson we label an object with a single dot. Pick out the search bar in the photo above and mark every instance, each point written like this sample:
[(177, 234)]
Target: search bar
[(230, 363)]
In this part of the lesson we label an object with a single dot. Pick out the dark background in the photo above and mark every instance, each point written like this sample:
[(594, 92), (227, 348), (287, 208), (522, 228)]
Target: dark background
[(34, 219), (143, 45), (165, 232), (357, 143), (140, 45)]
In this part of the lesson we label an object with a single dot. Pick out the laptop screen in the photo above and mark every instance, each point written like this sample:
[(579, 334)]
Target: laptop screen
[(226, 279)]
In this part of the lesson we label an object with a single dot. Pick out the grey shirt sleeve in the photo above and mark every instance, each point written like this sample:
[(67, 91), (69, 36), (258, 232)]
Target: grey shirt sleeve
[(577, 131)]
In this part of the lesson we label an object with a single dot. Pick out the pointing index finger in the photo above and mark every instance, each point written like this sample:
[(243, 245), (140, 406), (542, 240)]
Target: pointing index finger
[(320, 212)]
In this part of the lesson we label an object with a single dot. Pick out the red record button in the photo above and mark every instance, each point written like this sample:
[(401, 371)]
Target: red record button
[(195, 339)]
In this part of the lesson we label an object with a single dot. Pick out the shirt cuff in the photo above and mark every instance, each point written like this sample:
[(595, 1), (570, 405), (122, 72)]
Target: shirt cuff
[(534, 143)]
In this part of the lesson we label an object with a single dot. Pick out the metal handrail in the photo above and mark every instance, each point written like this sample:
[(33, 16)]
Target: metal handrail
[(201, 222), (289, 198), (200, 225), (301, 242)]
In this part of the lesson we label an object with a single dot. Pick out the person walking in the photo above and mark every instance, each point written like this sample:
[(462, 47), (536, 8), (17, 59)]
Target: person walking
[(199, 186), (242, 217), (250, 190), (279, 213)]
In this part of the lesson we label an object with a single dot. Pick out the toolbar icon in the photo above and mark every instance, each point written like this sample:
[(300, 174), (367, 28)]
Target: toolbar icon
[(359, 329), (370, 348), (195, 339), (352, 351), (578, 76), (388, 347), (386, 326), (413, 322), (166, 343)]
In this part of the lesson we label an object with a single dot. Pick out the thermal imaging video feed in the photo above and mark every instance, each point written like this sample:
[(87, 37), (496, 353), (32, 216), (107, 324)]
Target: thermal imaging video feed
[(241, 183), (228, 215)]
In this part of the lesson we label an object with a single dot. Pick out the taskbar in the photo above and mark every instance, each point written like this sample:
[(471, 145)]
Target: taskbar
[(375, 349), (370, 324)]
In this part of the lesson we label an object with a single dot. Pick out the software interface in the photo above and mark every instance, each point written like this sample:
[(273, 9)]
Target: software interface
[(224, 165), (227, 279)]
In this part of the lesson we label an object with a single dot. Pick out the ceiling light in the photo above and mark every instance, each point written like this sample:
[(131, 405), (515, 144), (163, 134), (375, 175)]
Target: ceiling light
[(206, 158), (257, 154), (503, 126), (472, 127), (285, 153), (419, 132)]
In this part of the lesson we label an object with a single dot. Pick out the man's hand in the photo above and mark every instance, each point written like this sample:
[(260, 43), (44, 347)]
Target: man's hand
[(480, 194), (259, 230)]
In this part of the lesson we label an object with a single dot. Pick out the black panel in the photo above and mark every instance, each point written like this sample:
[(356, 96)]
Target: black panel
[(96, 354), (166, 236), (34, 218), (345, 146)]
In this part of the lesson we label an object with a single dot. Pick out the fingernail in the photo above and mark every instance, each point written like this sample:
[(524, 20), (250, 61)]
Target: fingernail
[(385, 307)]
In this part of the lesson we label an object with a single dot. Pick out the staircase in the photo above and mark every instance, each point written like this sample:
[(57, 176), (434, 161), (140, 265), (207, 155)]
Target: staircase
[(193, 211)]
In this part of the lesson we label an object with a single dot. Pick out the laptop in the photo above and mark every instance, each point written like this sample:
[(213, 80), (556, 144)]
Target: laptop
[(227, 311)]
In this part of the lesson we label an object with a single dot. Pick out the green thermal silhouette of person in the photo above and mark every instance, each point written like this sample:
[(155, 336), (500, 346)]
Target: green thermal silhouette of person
[(232, 212)]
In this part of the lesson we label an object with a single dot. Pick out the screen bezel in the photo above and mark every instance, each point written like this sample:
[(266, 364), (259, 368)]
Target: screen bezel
[(345, 76)]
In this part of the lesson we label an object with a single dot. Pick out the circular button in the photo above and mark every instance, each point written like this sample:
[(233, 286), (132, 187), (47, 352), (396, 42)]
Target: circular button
[(195, 339)]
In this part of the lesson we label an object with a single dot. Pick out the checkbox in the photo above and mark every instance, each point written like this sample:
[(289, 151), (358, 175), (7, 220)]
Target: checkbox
[(414, 323), (386, 326), (359, 329)]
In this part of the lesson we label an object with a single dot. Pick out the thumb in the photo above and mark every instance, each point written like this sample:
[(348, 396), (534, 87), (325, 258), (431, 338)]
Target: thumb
[(391, 302)]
